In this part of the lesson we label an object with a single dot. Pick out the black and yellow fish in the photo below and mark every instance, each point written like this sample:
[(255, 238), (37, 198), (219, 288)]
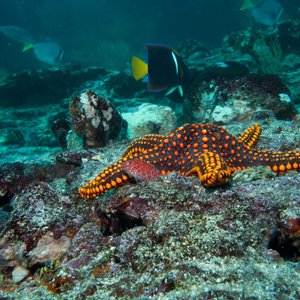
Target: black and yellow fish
[(165, 69)]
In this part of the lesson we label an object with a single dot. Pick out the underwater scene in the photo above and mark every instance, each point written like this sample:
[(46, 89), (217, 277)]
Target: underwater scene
[(149, 149)]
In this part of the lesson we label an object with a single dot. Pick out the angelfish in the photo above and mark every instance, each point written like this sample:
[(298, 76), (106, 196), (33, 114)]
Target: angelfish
[(165, 69)]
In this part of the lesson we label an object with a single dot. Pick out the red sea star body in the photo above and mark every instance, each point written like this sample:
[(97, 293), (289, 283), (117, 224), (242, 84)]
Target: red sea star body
[(204, 150)]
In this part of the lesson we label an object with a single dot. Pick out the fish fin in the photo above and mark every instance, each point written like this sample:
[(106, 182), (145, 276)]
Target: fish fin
[(247, 4), (139, 68), (175, 61), (174, 88), (27, 47), (171, 90), (180, 90)]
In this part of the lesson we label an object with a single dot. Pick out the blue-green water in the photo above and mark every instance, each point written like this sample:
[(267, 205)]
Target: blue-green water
[(107, 32)]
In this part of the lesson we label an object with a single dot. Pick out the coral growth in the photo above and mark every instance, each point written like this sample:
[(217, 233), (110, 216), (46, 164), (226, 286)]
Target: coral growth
[(150, 118), (238, 99), (95, 119)]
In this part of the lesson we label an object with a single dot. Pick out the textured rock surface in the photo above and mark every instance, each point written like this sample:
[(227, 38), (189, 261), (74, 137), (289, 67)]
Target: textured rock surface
[(224, 100), (164, 239), (46, 86), (168, 236), (150, 118), (96, 120)]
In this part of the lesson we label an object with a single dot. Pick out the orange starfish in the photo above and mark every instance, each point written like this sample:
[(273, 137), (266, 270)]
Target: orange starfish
[(204, 150)]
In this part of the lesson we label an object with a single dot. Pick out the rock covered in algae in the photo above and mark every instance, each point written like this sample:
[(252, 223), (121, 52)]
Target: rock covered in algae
[(95, 119), (40, 87), (170, 238), (150, 118), (224, 100)]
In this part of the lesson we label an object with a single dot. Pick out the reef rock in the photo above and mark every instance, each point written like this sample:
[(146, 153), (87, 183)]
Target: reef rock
[(291, 74), (190, 47), (16, 176), (39, 228), (49, 248), (150, 118), (226, 99), (96, 120), (60, 129), (289, 35), (169, 237), (40, 87)]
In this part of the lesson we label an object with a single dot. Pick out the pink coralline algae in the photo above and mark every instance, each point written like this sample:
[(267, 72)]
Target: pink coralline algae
[(95, 119), (17, 176)]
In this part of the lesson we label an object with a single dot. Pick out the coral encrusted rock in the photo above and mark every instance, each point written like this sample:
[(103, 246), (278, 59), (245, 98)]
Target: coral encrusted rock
[(150, 118), (40, 87), (96, 120)]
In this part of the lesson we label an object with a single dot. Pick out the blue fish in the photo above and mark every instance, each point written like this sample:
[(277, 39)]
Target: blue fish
[(268, 12), (18, 34), (265, 12), (49, 52)]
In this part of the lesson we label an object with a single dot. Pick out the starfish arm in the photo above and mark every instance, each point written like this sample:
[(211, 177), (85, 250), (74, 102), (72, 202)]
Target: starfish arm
[(279, 162), (211, 169), (250, 136), (111, 177), (143, 144)]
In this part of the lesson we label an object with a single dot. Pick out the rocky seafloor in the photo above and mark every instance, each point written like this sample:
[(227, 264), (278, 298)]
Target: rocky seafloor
[(169, 238)]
